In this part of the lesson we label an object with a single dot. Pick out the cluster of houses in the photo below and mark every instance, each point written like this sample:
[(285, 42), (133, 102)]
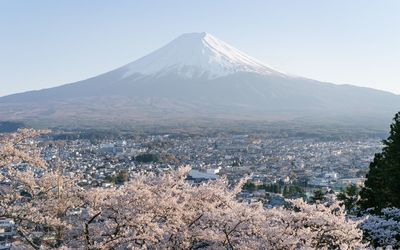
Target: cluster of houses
[(309, 163), (312, 162), (7, 233)]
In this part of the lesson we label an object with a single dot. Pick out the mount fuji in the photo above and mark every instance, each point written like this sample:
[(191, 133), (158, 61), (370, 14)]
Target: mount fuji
[(195, 76), (197, 55)]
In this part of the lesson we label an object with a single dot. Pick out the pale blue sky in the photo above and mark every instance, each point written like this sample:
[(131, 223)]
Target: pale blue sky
[(49, 43)]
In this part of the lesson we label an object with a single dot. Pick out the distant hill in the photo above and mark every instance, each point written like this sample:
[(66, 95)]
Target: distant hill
[(8, 126)]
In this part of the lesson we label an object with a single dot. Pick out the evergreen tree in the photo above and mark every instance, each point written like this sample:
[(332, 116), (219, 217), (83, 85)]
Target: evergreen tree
[(382, 187), (318, 196), (270, 188), (277, 189), (349, 197), (285, 192), (250, 186)]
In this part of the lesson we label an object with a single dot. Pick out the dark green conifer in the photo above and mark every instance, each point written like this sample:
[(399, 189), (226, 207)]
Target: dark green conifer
[(382, 187), (349, 197)]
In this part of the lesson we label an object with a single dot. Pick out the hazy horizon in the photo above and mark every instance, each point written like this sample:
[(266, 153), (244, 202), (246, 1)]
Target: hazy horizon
[(48, 44)]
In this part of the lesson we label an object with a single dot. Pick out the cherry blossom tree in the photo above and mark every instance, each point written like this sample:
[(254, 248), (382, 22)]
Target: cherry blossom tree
[(167, 212), (154, 211), (35, 197)]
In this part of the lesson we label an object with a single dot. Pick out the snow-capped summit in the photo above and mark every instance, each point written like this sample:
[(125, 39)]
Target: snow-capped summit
[(197, 55), (196, 77)]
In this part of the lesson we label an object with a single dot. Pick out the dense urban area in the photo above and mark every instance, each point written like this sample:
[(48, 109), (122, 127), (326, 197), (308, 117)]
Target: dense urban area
[(305, 162), (277, 167)]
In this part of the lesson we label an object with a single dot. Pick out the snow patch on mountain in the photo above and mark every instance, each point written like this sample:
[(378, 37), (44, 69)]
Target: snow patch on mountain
[(197, 55)]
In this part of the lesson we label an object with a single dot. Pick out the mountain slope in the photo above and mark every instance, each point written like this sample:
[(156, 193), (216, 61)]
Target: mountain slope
[(196, 76), (197, 55)]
